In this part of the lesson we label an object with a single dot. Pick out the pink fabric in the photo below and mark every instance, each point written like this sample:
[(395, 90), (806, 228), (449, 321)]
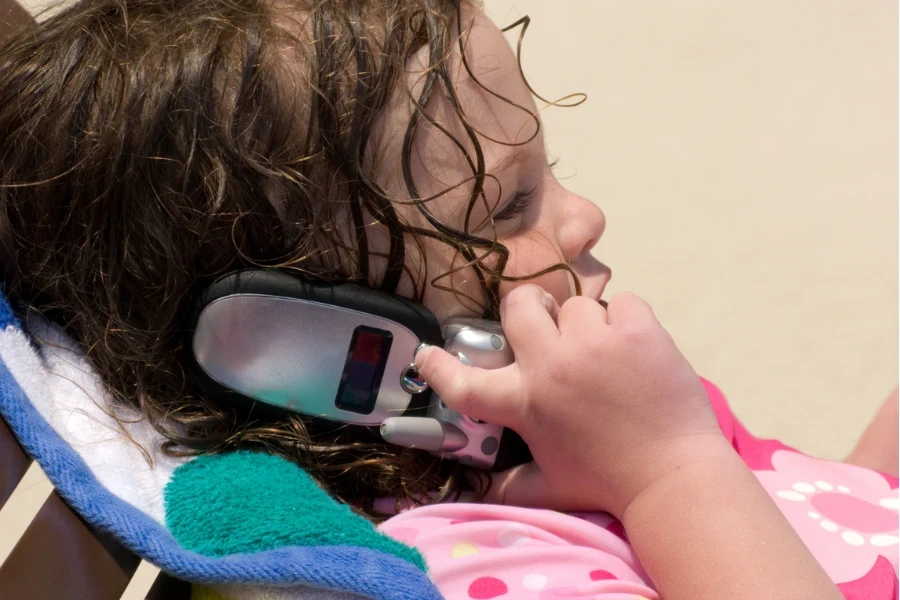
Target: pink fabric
[(846, 515)]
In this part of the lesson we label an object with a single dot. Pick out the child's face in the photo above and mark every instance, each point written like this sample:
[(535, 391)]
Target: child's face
[(552, 225)]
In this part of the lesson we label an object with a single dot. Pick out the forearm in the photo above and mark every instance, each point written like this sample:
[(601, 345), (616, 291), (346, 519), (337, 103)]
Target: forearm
[(709, 530), (877, 448)]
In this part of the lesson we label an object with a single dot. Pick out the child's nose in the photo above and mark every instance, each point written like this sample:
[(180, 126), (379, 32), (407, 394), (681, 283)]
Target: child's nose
[(582, 227)]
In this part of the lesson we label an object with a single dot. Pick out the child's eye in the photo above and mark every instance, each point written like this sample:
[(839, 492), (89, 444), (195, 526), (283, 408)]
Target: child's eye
[(517, 206)]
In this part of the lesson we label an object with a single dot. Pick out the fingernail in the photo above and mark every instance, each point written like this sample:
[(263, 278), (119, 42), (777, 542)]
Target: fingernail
[(549, 301), (422, 354)]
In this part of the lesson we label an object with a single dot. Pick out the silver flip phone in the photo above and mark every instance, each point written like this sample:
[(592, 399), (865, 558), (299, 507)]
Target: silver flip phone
[(346, 353)]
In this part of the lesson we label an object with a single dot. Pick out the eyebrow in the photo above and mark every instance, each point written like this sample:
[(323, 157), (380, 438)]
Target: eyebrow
[(516, 157)]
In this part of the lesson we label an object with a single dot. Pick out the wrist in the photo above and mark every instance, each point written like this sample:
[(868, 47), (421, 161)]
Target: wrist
[(713, 514), (673, 467)]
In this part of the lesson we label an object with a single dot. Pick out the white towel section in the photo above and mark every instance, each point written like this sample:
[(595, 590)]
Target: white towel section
[(69, 395)]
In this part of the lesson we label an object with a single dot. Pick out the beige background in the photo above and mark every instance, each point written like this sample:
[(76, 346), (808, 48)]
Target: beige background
[(745, 154)]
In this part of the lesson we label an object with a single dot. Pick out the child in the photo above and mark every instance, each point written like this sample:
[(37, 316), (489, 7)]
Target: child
[(150, 146)]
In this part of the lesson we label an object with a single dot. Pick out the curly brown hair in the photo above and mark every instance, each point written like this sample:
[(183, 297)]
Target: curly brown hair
[(149, 146)]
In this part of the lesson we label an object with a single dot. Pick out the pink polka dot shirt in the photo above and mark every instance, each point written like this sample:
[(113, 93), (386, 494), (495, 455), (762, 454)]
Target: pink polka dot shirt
[(846, 515)]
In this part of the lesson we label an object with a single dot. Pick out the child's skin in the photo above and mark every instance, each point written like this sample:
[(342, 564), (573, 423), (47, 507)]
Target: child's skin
[(615, 416), (877, 448)]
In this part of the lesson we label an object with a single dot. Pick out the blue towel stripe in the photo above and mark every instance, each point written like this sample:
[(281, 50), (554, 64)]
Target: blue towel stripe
[(359, 570)]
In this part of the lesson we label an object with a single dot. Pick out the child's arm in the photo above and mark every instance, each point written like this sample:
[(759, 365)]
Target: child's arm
[(877, 448), (709, 530), (617, 420)]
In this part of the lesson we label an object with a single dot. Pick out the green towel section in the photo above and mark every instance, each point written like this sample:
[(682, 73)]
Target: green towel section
[(251, 502)]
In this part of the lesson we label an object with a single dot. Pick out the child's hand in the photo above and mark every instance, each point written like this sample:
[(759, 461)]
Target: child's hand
[(604, 399)]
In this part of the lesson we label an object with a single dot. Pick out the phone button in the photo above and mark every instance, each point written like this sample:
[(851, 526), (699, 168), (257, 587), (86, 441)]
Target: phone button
[(412, 381)]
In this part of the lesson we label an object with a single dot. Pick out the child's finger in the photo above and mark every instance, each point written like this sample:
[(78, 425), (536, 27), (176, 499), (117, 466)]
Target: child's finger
[(488, 395), (579, 312), (528, 315), (627, 307), (552, 307)]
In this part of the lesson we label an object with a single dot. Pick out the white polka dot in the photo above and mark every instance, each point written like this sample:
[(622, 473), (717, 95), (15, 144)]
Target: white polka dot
[(512, 536), (824, 485), (534, 582), (814, 515), (804, 487), (884, 540), (828, 526), (844, 488), (853, 538), (792, 496), (890, 503)]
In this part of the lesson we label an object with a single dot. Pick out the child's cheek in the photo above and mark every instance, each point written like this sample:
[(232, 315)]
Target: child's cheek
[(531, 254)]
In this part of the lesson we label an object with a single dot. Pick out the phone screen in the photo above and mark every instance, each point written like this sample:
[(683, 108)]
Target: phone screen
[(363, 370)]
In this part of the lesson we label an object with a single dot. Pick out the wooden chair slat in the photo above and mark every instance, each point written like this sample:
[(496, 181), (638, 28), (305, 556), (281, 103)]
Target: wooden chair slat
[(13, 463), (60, 557)]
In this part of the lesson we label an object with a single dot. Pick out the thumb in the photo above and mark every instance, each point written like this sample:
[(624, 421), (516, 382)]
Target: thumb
[(488, 395)]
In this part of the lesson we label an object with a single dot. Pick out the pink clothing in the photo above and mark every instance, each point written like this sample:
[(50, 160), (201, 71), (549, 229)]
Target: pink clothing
[(846, 515)]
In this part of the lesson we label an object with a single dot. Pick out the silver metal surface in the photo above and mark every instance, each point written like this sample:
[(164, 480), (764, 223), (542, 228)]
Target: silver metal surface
[(291, 353), (475, 342), (423, 433), (411, 381)]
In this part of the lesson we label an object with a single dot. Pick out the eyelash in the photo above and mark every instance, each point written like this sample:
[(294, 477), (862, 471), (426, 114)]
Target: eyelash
[(517, 206)]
